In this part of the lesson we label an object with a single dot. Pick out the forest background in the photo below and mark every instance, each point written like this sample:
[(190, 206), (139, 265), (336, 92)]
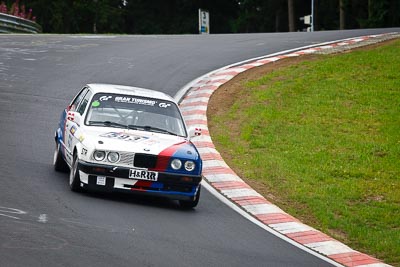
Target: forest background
[(226, 16)]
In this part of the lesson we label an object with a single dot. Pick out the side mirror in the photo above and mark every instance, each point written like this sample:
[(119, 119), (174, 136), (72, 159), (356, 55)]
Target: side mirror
[(194, 132), (74, 117)]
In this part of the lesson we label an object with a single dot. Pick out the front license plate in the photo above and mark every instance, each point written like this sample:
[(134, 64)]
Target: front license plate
[(143, 175), (101, 180)]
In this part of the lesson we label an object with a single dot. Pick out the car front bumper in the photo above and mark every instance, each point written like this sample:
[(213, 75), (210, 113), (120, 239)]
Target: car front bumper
[(113, 178)]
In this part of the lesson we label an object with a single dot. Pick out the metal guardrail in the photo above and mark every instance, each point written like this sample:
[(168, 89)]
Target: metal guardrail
[(13, 24)]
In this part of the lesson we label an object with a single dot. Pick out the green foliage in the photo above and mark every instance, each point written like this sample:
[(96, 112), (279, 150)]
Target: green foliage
[(324, 138), (84, 16), (181, 16)]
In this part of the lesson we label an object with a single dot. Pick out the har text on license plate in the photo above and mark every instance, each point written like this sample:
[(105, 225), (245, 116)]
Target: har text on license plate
[(143, 175)]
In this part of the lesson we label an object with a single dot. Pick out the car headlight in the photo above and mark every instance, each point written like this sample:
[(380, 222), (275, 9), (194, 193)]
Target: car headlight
[(176, 164), (113, 157), (99, 155), (190, 165)]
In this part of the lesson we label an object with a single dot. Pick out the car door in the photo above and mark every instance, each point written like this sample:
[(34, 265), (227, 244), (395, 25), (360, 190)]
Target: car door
[(71, 126)]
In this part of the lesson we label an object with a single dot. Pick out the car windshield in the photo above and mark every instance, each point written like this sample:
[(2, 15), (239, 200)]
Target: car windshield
[(135, 112)]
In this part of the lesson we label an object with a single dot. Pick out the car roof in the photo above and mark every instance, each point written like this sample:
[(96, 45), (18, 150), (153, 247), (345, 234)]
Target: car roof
[(128, 90)]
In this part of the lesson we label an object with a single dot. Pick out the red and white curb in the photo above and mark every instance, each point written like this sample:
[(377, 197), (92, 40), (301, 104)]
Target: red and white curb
[(222, 178)]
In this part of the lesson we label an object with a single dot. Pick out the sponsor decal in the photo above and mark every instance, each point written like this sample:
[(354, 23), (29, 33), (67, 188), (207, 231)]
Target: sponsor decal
[(81, 138), (96, 104), (164, 105), (143, 174), (84, 151), (105, 98), (69, 142), (124, 137), (151, 142), (72, 130), (133, 100)]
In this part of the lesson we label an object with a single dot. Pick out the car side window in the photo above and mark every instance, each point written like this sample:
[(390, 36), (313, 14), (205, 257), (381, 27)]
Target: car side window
[(75, 103), (83, 104)]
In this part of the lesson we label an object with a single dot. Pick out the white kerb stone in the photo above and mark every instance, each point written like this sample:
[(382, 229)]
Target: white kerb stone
[(257, 209), (241, 192), (290, 227), (329, 247)]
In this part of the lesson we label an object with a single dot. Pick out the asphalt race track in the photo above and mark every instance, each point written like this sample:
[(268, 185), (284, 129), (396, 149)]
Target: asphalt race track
[(43, 223)]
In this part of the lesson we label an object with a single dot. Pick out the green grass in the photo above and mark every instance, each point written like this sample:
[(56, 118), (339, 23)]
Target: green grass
[(323, 137)]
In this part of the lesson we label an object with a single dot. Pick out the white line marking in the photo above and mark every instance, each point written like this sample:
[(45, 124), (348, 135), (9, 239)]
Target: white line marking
[(9, 216), (263, 226), (42, 218), (12, 211)]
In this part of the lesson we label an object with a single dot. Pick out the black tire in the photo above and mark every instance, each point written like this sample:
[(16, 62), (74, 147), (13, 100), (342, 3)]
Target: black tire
[(74, 179), (58, 162), (190, 204)]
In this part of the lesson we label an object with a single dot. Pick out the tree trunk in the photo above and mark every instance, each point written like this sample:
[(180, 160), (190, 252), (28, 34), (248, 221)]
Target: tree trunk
[(392, 14), (370, 10), (277, 20), (316, 17), (342, 15), (291, 14)]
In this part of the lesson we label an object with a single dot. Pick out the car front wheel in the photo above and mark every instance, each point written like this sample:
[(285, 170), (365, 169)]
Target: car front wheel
[(189, 204), (58, 162), (74, 179)]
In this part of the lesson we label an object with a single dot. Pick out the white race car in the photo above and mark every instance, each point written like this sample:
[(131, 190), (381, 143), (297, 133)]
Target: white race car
[(122, 138)]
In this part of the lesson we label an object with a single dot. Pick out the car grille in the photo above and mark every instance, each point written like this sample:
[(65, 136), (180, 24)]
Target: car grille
[(140, 160), (145, 161), (126, 158)]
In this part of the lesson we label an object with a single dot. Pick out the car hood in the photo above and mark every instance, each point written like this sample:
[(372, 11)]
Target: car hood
[(114, 139)]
